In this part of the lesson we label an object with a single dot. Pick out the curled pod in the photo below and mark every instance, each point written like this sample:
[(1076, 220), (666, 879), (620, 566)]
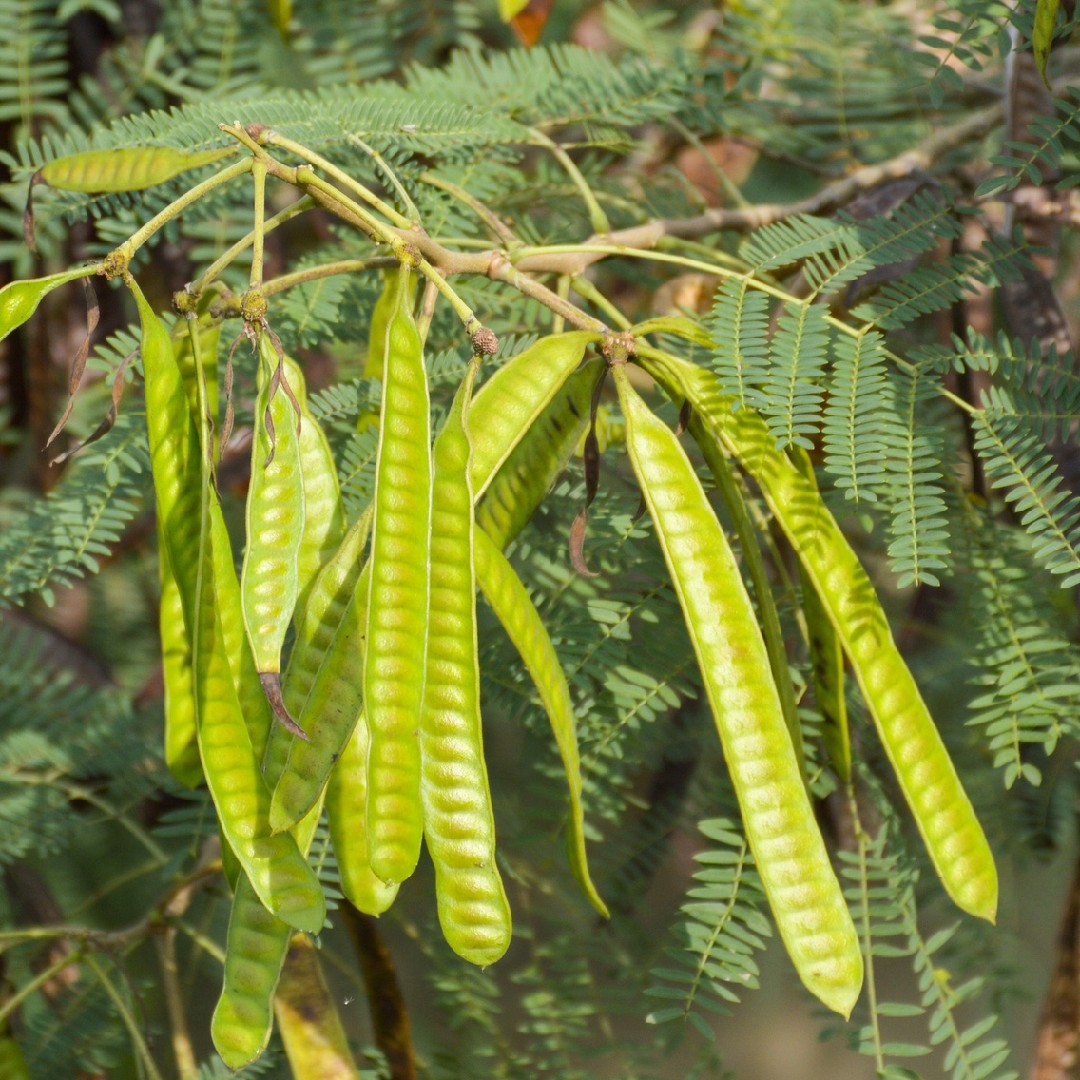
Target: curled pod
[(788, 849), (510, 601), (459, 826), (397, 599), (941, 808)]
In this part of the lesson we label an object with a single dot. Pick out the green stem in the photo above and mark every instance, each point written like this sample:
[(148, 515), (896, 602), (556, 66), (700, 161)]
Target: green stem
[(314, 273), (178, 206), (130, 1023), (398, 186), (598, 220), (258, 172), (275, 138), (39, 980), (213, 271)]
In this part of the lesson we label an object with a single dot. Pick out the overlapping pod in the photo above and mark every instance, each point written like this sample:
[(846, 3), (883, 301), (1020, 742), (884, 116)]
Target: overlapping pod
[(180, 467), (329, 714), (459, 826), (510, 601), (397, 598), (257, 941), (270, 578), (324, 522), (927, 776), (523, 478), (346, 811), (788, 849), (515, 396)]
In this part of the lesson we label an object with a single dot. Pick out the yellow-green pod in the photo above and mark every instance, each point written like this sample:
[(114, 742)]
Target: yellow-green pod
[(185, 495), (510, 601), (269, 579), (515, 396), (826, 659), (125, 168), (459, 826), (378, 342), (397, 600), (788, 849), (927, 776), (181, 737), (523, 478), (19, 299), (324, 521), (346, 810)]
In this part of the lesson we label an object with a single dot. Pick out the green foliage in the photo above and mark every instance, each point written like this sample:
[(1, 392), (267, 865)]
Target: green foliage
[(826, 321)]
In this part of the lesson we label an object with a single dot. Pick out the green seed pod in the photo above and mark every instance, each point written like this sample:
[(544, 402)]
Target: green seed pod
[(509, 403), (125, 168), (269, 579), (459, 826), (523, 478), (510, 601), (19, 299), (927, 776), (788, 849), (398, 599)]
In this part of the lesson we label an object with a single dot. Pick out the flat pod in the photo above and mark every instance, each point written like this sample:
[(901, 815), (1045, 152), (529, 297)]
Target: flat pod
[(508, 404), (788, 849), (125, 168), (510, 601), (397, 598), (927, 776)]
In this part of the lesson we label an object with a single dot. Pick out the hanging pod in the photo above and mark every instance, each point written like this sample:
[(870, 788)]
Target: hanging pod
[(926, 774), (459, 825), (788, 849), (398, 597)]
